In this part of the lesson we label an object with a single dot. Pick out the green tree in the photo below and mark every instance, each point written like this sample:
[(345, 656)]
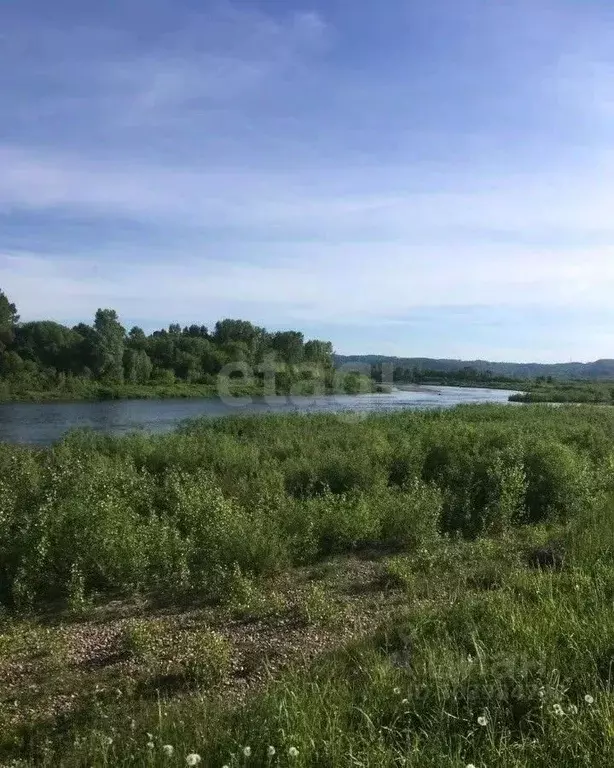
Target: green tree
[(137, 338), (109, 346), (49, 345), (235, 330), (137, 366), (289, 346), (8, 320), (321, 352)]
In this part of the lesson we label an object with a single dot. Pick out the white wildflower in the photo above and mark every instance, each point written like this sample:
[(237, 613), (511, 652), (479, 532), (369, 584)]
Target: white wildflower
[(151, 745), (558, 710), (168, 750), (271, 751), (293, 752), (247, 751), (483, 721), (589, 699), (193, 759), (397, 691)]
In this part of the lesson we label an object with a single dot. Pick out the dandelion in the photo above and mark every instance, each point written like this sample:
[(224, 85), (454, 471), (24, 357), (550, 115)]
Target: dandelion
[(483, 721), (293, 752), (271, 751), (397, 691), (470, 765), (573, 710), (558, 710), (589, 699), (168, 750), (151, 745), (247, 751), (193, 759)]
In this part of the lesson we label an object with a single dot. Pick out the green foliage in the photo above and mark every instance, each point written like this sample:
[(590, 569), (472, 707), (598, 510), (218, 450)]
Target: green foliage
[(46, 360), (179, 514), (165, 652)]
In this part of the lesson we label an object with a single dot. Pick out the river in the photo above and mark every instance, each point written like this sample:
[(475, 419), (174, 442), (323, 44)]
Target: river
[(44, 423)]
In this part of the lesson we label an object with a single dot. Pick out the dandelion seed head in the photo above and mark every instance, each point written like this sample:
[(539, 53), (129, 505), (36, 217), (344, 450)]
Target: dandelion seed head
[(150, 745), (168, 750), (558, 710), (483, 721), (397, 691), (293, 752), (589, 699), (271, 751), (193, 759), (247, 751)]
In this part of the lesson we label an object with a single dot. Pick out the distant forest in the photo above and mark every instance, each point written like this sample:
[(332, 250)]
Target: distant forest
[(44, 355), (420, 369)]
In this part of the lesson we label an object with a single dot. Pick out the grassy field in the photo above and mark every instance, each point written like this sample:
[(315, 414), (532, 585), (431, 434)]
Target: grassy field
[(587, 392), (417, 589)]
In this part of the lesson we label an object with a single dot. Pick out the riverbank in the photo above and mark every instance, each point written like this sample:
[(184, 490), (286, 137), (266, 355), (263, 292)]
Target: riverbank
[(97, 392), (418, 589), (598, 393)]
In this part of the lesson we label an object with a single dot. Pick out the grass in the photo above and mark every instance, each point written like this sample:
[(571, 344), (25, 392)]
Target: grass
[(75, 390), (418, 589), (600, 392)]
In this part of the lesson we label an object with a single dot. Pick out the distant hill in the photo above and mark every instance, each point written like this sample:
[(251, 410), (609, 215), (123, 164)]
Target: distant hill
[(600, 369)]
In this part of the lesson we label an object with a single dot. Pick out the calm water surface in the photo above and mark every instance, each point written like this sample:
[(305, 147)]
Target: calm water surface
[(44, 423)]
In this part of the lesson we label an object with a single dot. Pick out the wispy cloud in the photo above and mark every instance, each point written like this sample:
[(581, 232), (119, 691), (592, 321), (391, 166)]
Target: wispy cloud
[(336, 168)]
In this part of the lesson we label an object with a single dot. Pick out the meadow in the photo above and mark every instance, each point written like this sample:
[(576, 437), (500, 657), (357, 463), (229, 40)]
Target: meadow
[(587, 392), (416, 589)]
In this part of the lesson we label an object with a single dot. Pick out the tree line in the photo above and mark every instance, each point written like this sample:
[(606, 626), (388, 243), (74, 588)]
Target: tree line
[(44, 354), (404, 374)]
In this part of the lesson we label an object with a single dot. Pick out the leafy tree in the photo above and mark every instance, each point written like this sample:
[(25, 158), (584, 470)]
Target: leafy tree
[(235, 330), (317, 351), (8, 320), (289, 346), (49, 345), (109, 346), (137, 366), (196, 331), (137, 338)]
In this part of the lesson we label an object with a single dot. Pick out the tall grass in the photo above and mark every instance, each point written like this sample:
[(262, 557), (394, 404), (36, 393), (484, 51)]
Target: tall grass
[(175, 514), (497, 526)]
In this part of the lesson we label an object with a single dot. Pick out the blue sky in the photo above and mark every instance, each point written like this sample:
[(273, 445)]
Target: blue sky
[(404, 177)]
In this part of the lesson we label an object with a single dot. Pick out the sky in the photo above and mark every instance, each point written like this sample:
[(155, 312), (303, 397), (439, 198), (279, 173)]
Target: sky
[(403, 177)]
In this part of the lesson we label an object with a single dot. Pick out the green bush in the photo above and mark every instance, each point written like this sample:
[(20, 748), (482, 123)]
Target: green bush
[(173, 514)]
